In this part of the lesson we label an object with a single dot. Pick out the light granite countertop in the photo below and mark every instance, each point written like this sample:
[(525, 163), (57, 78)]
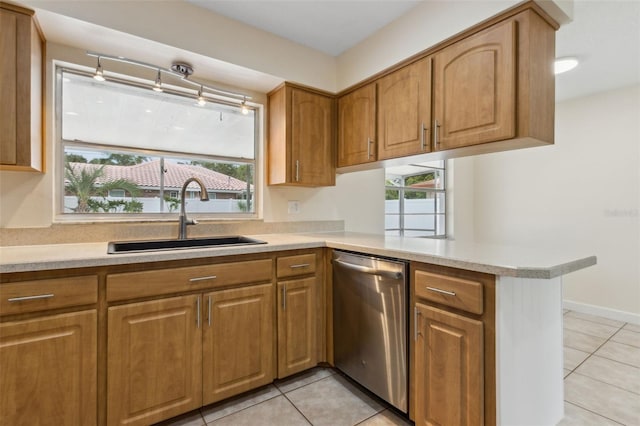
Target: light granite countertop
[(493, 259)]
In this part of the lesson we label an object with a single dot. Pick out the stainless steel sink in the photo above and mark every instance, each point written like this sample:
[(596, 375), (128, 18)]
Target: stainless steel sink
[(116, 247)]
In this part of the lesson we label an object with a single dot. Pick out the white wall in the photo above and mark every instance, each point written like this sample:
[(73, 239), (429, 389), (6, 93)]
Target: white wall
[(583, 193), (357, 198), (182, 25), (422, 27)]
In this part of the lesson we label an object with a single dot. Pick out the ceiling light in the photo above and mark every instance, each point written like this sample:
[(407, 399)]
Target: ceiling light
[(99, 74), (243, 107), (565, 64), (201, 100), (158, 84), (178, 69)]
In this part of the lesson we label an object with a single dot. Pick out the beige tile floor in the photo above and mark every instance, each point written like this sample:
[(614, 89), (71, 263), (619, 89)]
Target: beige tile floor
[(602, 371), (602, 387)]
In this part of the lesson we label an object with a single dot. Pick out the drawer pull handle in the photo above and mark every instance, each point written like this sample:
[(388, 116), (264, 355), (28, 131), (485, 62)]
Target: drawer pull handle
[(301, 265), (24, 298), (210, 277), (437, 290)]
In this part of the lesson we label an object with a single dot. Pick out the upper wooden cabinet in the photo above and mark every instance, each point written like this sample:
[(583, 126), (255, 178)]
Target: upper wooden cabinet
[(301, 142), (474, 89), (495, 90), (21, 48), (491, 88), (357, 126), (404, 111)]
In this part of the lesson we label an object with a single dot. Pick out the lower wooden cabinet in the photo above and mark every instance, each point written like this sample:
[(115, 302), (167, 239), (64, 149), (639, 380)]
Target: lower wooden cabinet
[(154, 360), (297, 340), (48, 370), (448, 368), (237, 341)]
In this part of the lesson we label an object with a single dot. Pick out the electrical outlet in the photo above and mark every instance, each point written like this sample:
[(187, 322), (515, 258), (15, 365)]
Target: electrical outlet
[(293, 207)]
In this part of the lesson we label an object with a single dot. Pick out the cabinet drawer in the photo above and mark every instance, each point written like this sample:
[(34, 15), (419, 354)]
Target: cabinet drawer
[(164, 281), (41, 295), (455, 292), (302, 264)]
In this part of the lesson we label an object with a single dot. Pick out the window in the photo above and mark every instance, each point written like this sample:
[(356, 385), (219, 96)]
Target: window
[(415, 200), (127, 149), (116, 193)]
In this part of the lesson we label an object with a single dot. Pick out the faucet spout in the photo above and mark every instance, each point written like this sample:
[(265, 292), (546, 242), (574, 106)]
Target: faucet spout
[(182, 219)]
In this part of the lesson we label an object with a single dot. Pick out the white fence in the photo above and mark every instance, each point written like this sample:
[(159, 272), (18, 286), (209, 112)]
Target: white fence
[(418, 214), (152, 205)]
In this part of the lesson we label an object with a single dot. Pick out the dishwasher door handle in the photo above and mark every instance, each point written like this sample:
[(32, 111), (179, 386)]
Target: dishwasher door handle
[(371, 271)]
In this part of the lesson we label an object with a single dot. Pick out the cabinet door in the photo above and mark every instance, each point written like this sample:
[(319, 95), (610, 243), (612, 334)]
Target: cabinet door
[(296, 326), (48, 368), (238, 338), (154, 368), (404, 111), (21, 89), (357, 126), (448, 369), (312, 139), (475, 89)]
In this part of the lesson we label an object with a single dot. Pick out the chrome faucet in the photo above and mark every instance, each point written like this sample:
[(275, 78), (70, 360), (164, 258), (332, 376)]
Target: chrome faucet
[(183, 221)]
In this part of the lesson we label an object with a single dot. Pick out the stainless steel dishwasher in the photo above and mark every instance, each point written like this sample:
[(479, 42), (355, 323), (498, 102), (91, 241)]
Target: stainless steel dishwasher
[(370, 324)]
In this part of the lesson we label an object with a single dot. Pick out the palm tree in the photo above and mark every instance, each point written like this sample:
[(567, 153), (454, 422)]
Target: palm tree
[(82, 184)]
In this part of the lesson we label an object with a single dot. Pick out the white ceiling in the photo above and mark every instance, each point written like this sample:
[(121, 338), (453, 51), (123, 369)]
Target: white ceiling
[(330, 26), (604, 35)]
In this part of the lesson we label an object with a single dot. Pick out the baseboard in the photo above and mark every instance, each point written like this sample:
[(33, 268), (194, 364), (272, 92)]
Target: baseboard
[(613, 314)]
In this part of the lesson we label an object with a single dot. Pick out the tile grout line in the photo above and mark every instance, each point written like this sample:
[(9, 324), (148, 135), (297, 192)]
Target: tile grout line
[(596, 322), (593, 412), (281, 393), (296, 407), (623, 343), (300, 387), (596, 349), (242, 409), (594, 354), (609, 384)]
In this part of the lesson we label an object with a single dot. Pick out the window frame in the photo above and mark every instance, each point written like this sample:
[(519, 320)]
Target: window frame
[(401, 189), (60, 144)]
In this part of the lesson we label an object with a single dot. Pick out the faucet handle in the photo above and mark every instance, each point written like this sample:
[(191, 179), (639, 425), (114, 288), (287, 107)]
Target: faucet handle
[(193, 222)]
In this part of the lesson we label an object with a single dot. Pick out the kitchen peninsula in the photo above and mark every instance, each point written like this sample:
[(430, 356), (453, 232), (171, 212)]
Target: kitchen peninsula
[(520, 354)]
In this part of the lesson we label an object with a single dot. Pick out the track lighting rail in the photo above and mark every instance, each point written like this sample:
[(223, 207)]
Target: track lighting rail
[(184, 76)]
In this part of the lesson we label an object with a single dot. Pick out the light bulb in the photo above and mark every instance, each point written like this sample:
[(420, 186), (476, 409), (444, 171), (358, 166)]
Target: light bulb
[(99, 75), (562, 65), (201, 100), (158, 84), (243, 107)]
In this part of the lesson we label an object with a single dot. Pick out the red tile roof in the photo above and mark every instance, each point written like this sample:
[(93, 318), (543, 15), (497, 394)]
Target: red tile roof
[(147, 175)]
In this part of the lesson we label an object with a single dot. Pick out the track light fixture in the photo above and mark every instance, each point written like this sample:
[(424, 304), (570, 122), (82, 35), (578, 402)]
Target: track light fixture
[(157, 86), (181, 70), (243, 106), (201, 100), (99, 75)]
